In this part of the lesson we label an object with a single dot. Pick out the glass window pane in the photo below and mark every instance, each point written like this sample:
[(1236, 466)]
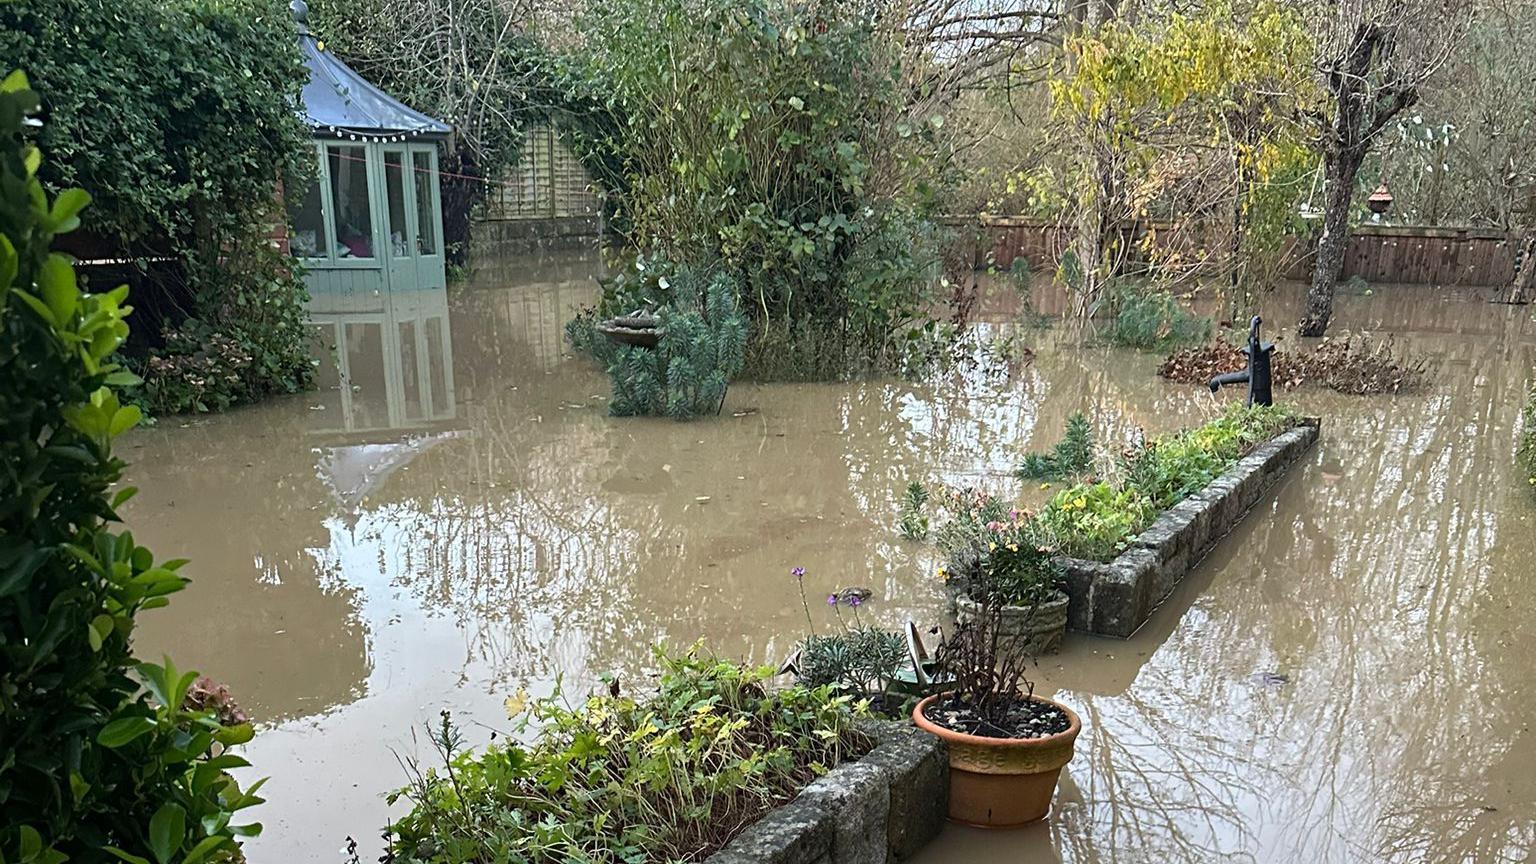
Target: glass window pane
[(394, 191), (410, 372), (306, 220), (349, 192), (426, 216)]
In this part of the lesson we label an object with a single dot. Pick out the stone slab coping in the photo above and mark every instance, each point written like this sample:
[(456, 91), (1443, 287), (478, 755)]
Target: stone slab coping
[(1115, 598), (882, 807)]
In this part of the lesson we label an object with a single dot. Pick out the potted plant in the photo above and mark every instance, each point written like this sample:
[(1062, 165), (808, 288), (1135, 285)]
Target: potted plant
[(1007, 746), (1009, 556)]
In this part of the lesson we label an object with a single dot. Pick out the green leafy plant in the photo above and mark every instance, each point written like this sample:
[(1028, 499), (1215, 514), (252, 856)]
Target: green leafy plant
[(99, 755), (181, 138), (703, 335), (863, 662), (669, 777), (1095, 520), (913, 521), (1071, 457), (1154, 321)]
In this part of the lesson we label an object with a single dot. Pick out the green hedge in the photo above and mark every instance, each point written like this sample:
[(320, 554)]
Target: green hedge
[(180, 115), (99, 758)]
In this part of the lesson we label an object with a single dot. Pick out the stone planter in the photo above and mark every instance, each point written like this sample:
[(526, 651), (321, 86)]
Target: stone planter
[(1034, 630), (1002, 782), (1115, 598), (881, 808)]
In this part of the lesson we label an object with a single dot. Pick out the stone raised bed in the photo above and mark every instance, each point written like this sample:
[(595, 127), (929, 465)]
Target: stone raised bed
[(1116, 598), (882, 808)]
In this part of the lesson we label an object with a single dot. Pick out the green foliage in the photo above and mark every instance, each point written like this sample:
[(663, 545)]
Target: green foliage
[(1170, 469), (1154, 321), (703, 336), (244, 342), (770, 137), (619, 779), (861, 662), (180, 119), (913, 522), (179, 116), (1071, 457), (1097, 520), (98, 757)]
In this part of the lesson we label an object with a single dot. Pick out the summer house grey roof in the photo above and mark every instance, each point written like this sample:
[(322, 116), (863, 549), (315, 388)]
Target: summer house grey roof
[(339, 101)]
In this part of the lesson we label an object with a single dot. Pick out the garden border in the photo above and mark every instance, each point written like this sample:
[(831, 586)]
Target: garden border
[(882, 807), (1116, 598)]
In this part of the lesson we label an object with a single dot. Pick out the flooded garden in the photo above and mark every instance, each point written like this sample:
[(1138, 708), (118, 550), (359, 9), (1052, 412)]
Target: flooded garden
[(767, 432), (461, 520)]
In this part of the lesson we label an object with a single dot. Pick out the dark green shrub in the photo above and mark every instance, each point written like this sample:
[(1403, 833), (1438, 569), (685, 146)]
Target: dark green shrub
[(686, 375), (668, 777), (180, 123), (1154, 321), (1071, 457), (98, 757)]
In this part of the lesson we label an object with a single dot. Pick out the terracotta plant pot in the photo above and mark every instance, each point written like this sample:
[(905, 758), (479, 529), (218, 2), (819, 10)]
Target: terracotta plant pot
[(1002, 782)]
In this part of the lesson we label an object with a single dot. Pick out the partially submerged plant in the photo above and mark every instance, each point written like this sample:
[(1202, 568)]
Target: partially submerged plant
[(1071, 457), (913, 522), (668, 777), (1154, 321)]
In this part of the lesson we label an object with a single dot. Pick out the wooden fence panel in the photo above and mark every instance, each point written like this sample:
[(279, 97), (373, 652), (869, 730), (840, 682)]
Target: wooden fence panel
[(1378, 253)]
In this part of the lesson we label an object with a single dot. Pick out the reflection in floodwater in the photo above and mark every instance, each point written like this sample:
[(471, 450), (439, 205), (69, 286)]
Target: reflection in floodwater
[(453, 515)]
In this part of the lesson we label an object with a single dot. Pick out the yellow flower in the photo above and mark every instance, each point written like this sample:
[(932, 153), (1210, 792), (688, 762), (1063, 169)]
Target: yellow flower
[(943, 574), (1013, 547), (516, 703), (991, 547)]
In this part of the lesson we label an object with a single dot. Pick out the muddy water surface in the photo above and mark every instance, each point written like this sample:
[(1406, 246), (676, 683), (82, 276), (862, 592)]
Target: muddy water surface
[(1344, 679)]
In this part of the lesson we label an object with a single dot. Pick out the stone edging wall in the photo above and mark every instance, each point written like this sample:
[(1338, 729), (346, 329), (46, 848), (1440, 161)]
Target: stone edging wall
[(1116, 598), (882, 808)]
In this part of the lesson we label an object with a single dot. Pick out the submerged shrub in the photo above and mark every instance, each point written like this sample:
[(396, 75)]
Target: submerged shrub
[(670, 777), (703, 335), (1071, 457), (772, 137), (100, 756), (913, 521), (1154, 321)]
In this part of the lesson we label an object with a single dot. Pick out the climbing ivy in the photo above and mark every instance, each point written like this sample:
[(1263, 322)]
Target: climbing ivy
[(180, 115)]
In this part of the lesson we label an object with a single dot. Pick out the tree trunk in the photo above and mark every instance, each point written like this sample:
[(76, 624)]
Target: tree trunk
[(1338, 196), (1524, 284)]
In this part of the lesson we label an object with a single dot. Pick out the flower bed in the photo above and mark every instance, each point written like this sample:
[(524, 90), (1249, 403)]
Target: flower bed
[(674, 776), (1115, 598), (1117, 546)]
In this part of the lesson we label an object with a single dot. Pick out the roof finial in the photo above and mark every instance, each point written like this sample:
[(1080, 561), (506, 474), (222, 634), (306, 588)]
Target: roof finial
[(300, 11)]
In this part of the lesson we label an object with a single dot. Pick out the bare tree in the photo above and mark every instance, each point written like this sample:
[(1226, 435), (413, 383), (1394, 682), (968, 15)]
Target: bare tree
[(1373, 56)]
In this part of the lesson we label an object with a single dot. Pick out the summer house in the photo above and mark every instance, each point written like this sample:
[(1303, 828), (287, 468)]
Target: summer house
[(373, 222)]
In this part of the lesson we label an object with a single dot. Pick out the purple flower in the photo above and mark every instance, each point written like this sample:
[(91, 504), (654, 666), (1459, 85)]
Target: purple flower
[(855, 601), (798, 572), (831, 599)]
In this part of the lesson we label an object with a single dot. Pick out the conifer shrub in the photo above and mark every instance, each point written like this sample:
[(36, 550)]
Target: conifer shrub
[(703, 337), (1071, 457), (101, 758)]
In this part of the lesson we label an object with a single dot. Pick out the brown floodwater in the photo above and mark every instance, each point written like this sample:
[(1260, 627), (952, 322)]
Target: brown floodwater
[(1345, 678)]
